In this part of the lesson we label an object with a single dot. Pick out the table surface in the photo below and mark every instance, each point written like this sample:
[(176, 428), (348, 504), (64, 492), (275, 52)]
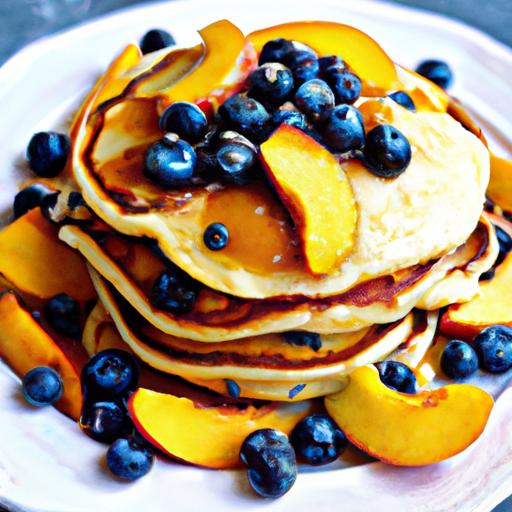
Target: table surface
[(22, 21)]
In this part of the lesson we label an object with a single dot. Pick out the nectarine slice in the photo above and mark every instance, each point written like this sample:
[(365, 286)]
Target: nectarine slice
[(209, 437), (318, 195), (35, 261), (408, 430), (499, 189), (24, 345), (366, 58)]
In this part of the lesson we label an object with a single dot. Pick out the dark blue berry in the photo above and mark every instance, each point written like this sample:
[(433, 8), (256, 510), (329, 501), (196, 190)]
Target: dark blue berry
[(62, 313), (397, 376), (403, 99), (170, 162), (47, 153), (31, 197), (275, 50), (104, 421), (494, 348), (232, 388), (174, 291), (109, 374), (331, 62), (75, 200), (291, 117), (303, 64), (315, 99), (296, 390), (271, 83), (344, 129), (437, 71), (387, 151), (235, 163), (270, 458), (459, 360), (156, 39), (216, 236), (186, 120), (505, 243), (129, 460), (318, 440), (303, 339), (487, 276), (42, 386), (346, 87), (245, 115)]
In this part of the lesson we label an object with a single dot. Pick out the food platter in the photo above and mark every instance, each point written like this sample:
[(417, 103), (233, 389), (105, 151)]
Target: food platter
[(47, 464)]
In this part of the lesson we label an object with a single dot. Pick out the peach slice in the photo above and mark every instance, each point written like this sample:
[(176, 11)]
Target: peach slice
[(229, 58), (366, 58), (314, 188), (209, 437), (500, 184), (408, 430), (24, 345), (35, 261)]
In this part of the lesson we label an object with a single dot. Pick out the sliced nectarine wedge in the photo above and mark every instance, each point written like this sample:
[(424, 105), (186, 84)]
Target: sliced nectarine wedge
[(35, 261), (408, 430), (24, 345), (209, 437), (366, 58), (318, 195), (500, 184)]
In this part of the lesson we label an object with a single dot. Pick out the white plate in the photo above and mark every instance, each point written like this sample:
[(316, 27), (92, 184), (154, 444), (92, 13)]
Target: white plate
[(46, 463)]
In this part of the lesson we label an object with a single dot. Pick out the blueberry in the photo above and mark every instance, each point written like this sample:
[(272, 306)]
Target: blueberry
[(271, 83), (170, 162), (245, 115), (275, 50), (62, 313), (505, 243), (346, 86), (487, 276), (75, 200), (437, 71), (344, 129), (303, 339), (315, 99), (104, 421), (318, 440), (494, 348), (235, 162), (42, 386), (459, 360), (47, 153), (232, 388), (403, 99), (129, 460), (216, 236), (291, 117), (331, 62), (31, 197), (397, 376), (387, 151), (174, 291), (272, 467), (186, 120), (109, 374), (156, 39), (296, 390), (303, 64)]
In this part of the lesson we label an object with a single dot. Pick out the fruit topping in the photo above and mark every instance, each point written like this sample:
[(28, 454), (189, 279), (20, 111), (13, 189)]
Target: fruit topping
[(494, 348), (318, 440), (129, 460), (346, 86), (331, 64), (170, 162), (104, 421), (272, 467), (459, 360), (315, 99), (271, 83), (397, 376), (344, 129), (42, 386), (47, 153), (505, 243), (232, 388), (109, 374), (436, 71), (403, 99), (156, 39), (291, 117), (235, 162), (31, 197), (62, 313), (303, 64), (186, 120), (275, 50), (295, 391), (174, 291), (387, 152), (304, 339), (216, 236)]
